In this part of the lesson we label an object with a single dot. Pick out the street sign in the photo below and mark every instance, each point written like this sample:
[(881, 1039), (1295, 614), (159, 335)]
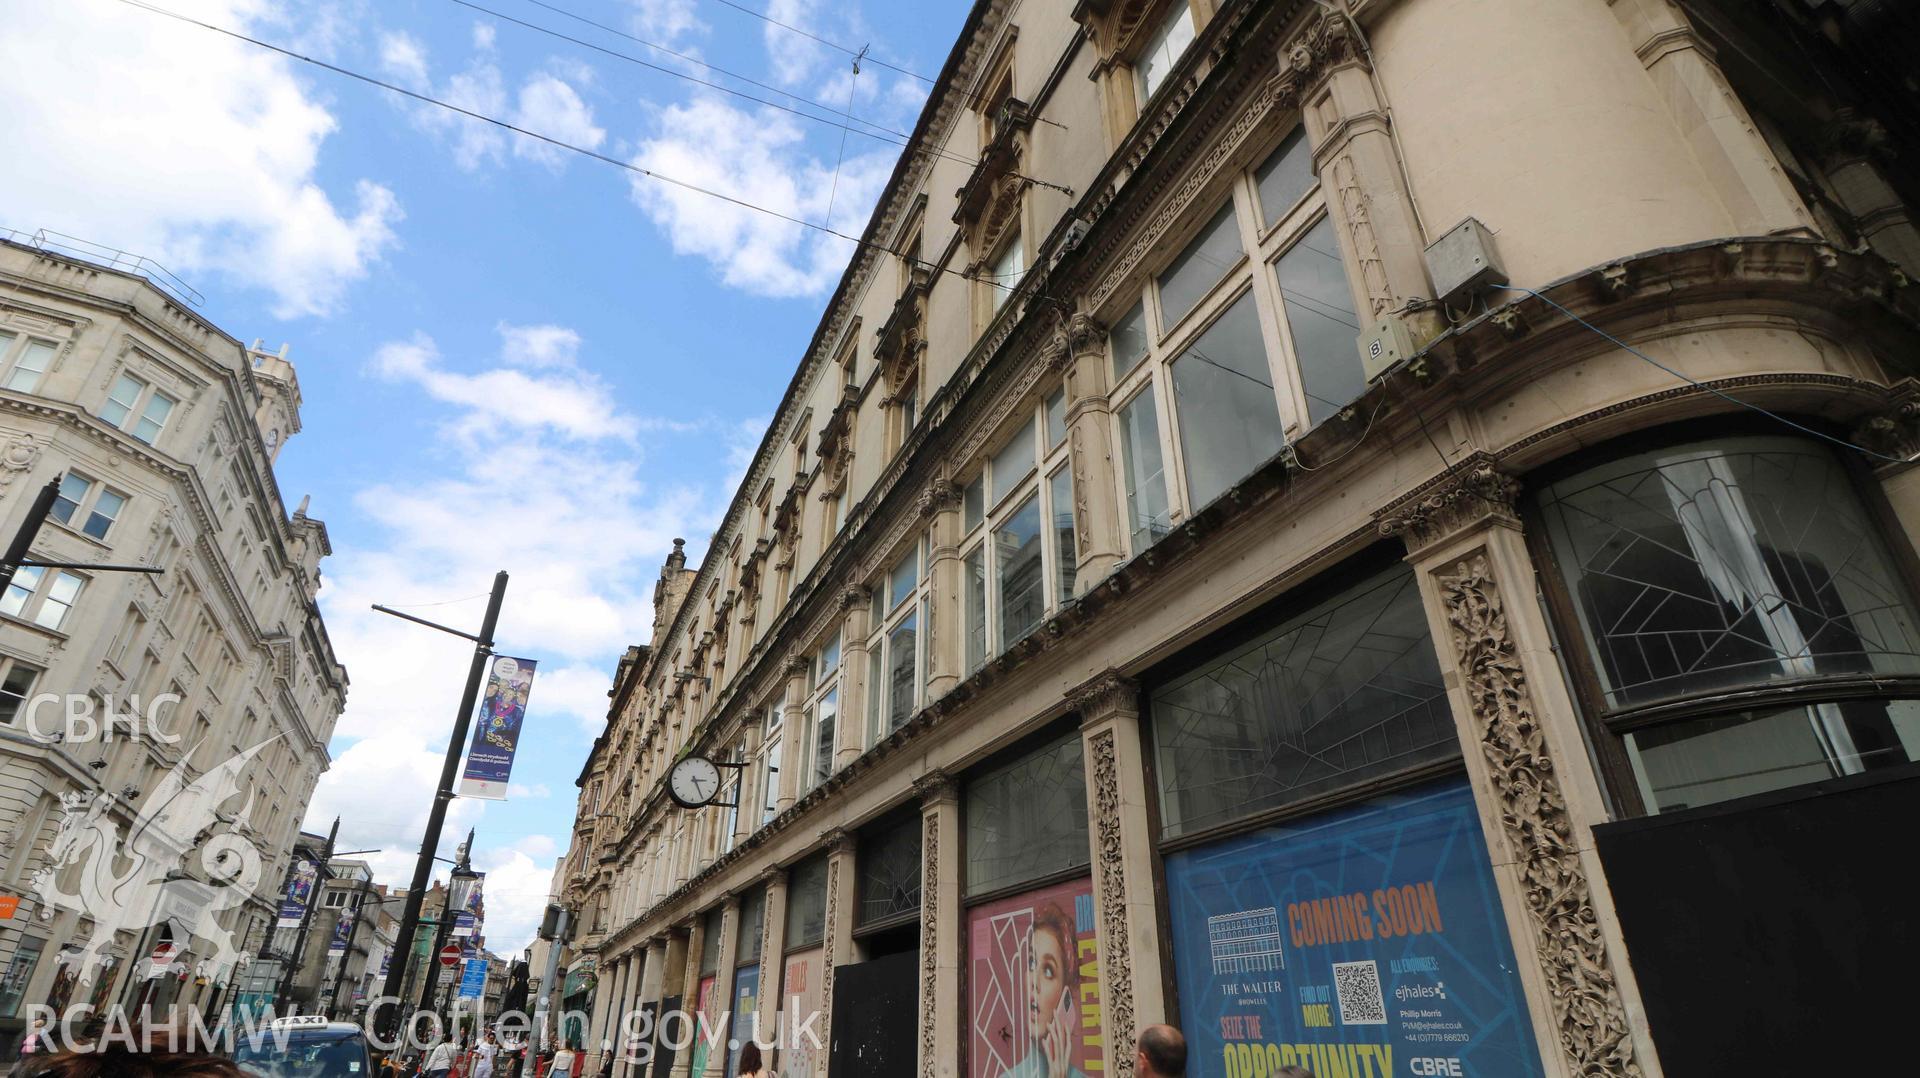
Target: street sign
[(473, 979), (449, 955)]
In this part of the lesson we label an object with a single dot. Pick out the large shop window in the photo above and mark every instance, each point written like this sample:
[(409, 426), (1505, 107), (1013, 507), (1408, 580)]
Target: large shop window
[(1028, 819), (1343, 692), (1246, 335), (807, 904), (753, 916), (889, 874), (1744, 624)]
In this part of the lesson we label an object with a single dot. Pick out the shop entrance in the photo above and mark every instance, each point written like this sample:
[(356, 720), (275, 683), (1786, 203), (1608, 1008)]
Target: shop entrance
[(876, 1005)]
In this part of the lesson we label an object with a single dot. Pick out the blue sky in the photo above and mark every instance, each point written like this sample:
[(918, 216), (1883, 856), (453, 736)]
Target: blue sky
[(512, 357)]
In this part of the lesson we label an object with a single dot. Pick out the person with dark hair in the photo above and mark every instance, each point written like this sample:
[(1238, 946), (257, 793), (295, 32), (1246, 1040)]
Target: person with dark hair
[(1053, 978), (750, 1065), (1291, 1071), (1161, 1052)]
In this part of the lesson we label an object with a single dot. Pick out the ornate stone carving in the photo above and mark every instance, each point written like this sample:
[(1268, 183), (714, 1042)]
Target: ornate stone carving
[(1104, 695), (1466, 494), (1110, 888), (853, 597), (1366, 246), (1892, 433), (929, 931), (940, 494), (936, 786), (17, 459), (1533, 814), (827, 957), (799, 666), (1321, 44)]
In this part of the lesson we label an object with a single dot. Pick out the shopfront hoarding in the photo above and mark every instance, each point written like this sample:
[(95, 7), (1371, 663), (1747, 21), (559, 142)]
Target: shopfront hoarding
[(1369, 940), (1033, 979)]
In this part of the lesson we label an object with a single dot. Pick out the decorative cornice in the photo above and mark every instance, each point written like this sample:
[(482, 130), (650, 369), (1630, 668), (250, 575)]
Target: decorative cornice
[(1464, 495)]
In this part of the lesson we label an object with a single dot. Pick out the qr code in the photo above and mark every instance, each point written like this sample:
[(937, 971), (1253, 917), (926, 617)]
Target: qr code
[(1358, 986)]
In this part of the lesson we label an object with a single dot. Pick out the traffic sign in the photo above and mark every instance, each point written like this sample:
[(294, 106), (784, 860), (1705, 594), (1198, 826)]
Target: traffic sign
[(449, 955)]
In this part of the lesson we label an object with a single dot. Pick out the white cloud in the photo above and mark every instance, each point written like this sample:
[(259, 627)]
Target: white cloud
[(569, 401), (666, 20), (538, 346), (546, 103), (759, 158), (553, 108), (185, 146), (795, 57)]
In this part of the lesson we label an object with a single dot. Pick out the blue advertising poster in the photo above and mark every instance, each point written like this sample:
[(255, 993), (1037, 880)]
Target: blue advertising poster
[(1367, 942), (301, 876), (496, 730), (746, 1004), (473, 978)]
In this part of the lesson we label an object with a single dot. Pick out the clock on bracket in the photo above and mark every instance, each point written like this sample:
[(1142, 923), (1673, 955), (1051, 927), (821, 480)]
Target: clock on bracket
[(694, 782)]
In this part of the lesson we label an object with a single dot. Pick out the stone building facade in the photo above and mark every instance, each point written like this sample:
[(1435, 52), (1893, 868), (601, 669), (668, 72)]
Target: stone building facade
[(1097, 640), (164, 431)]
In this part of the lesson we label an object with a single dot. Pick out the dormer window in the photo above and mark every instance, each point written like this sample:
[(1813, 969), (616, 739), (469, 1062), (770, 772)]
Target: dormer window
[(1162, 50)]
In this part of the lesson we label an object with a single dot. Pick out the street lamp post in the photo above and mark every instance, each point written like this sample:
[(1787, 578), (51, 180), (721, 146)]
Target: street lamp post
[(459, 892), (437, 815)]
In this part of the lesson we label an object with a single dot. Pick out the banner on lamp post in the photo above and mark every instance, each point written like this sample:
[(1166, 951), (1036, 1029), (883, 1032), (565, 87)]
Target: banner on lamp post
[(496, 732), (467, 921), (301, 876), (342, 932)]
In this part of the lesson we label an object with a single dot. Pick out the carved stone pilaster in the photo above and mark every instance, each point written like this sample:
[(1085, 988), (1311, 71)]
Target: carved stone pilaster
[(1110, 890), (1532, 810), (935, 786), (1468, 494), (929, 940), (940, 1023), (941, 494), (854, 597)]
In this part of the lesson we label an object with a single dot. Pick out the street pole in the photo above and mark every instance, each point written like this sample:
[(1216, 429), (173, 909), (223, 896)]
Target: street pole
[(29, 527), (353, 932), (437, 815), (306, 920), (449, 917), (544, 1010)]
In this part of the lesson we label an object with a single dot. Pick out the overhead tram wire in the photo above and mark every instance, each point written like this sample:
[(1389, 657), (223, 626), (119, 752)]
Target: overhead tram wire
[(659, 177), (811, 36), (878, 132)]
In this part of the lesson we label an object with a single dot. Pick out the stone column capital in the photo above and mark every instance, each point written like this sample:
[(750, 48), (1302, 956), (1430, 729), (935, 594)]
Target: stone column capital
[(837, 840), (1103, 697), (941, 495), (1471, 493), (854, 597), (776, 876), (936, 787)]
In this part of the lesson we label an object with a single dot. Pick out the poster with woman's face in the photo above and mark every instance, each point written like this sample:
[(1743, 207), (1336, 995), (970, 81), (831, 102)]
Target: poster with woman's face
[(1032, 977)]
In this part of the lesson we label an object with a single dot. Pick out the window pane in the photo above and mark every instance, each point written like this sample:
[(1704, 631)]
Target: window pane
[(120, 402), (807, 903), (1203, 263), (15, 690), (904, 577), (1285, 177), (889, 868), (1064, 555), (1169, 41), (876, 693), (902, 657), (1056, 418), (823, 738), (1128, 339), (973, 502), (153, 417), (73, 491), (1148, 517), (1009, 265), (1322, 322), (1016, 560), (1229, 419), (1342, 693), (829, 663), (769, 800), (973, 573), (25, 580), (1689, 764), (753, 914), (1724, 565), (32, 364), (1012, 463), (60, 598), (106, 509), (1028, 819)]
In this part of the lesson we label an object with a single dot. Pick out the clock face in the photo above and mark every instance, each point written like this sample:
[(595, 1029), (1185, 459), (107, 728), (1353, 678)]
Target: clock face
[(694, 781)]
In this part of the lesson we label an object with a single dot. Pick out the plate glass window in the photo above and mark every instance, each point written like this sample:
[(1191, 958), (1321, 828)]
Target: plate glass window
[(1321, 321), (1008, 266), (29, 364), (1028, 819), (1229, 421), (1168, 43)]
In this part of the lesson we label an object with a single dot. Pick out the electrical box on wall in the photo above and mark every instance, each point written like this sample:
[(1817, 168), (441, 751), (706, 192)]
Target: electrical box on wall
[(1384, 343), (1462, 263)]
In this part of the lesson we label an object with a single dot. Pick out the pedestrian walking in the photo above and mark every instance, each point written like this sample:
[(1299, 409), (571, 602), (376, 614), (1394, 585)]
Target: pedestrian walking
[(1161, 1052), (483, 1057), (439, 1061), (563, 1062)]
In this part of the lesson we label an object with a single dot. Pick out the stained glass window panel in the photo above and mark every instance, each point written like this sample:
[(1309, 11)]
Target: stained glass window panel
[(890, 873), (753, 913), (1028, 819), (1346, 691), (807, 903), (1726, 565)]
